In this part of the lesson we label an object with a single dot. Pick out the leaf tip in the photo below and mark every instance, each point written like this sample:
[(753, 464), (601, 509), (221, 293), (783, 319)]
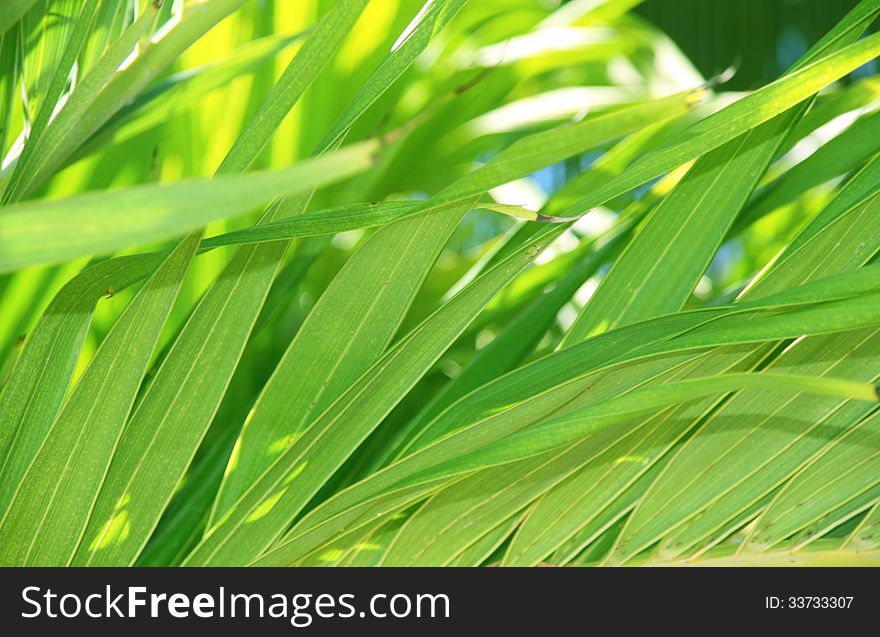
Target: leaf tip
[(697, 96), (552, 219)]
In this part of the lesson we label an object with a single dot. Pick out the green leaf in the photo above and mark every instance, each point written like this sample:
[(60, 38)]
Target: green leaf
[(65, 127), (836, 231), (521, 318), (430, 21), (366, 301), (9, 67), (864, 536), (297, 77), (512, 344), (353, 217), (660, 268), (757, 454), (51, 504), (840, 245), (318, 222), (161, 101), (12, 11), (488, 423), (680, 238), (538, 150), (859, 191), (106, 89), (502, 488), (77, 40), (174, 415), (266, 509), (824, 492), (839, 156), (41, 378), (288, 403), (99, 223), (734, 120), (657, 274)]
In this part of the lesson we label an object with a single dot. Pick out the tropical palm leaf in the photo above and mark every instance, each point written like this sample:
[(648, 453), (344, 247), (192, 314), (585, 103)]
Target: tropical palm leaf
[(431, 283)]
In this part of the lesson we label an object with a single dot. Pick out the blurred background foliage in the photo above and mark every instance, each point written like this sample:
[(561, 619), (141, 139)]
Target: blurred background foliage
[(761, 38)]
